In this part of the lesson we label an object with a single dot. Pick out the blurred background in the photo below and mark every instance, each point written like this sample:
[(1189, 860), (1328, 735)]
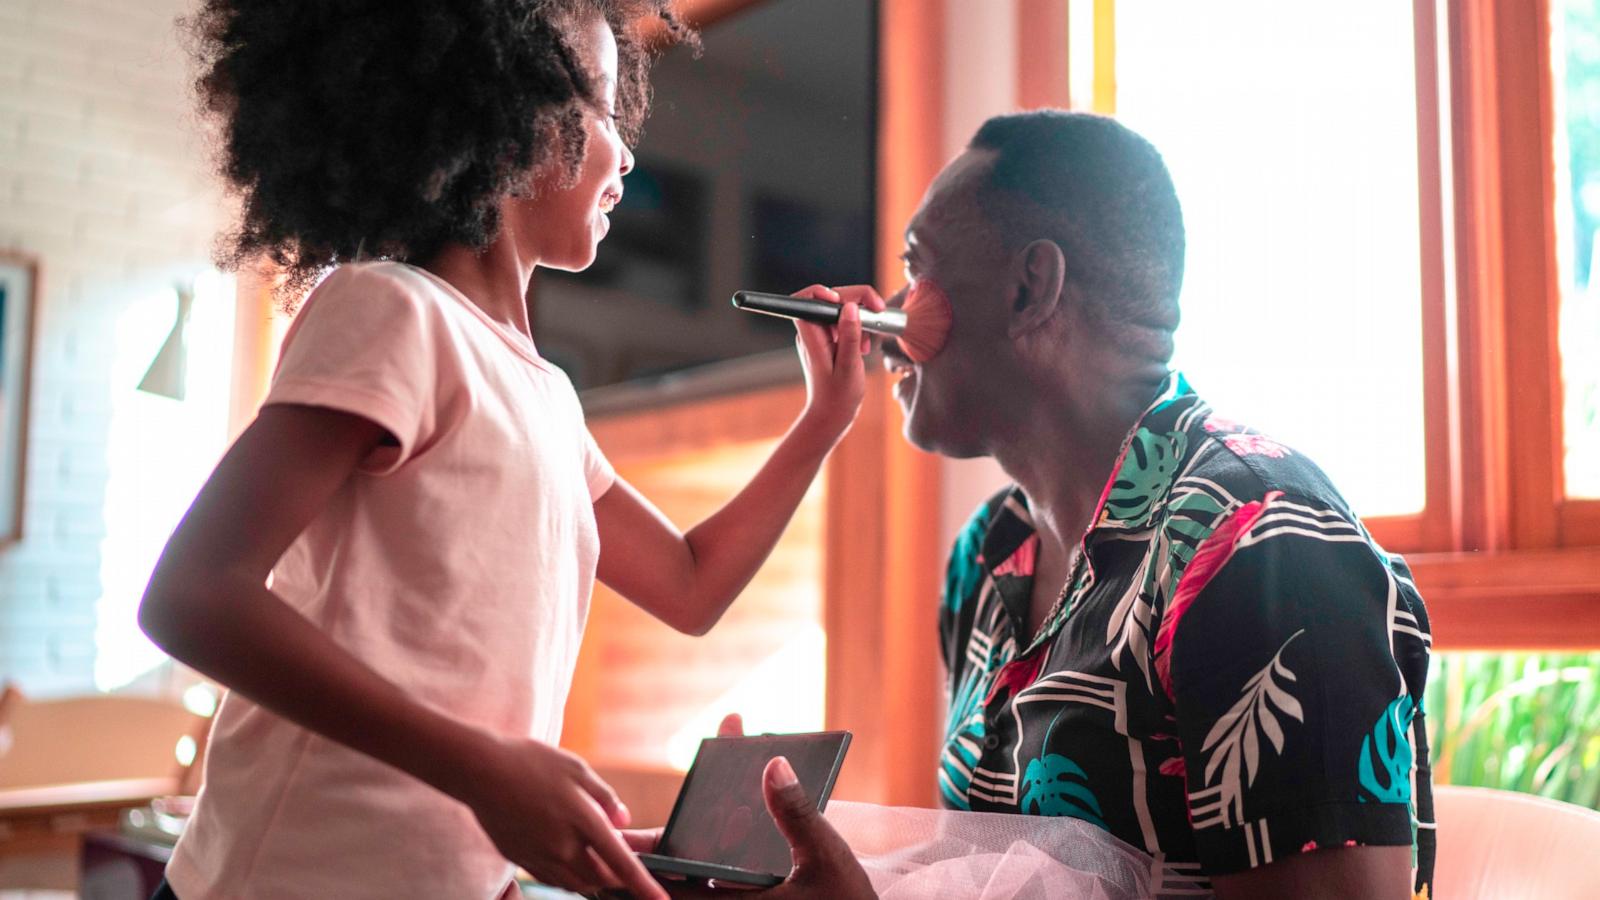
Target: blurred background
[(1392, 212)]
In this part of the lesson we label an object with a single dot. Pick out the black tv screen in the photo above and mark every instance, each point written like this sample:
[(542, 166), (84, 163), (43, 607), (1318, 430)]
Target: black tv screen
[(755, 171)]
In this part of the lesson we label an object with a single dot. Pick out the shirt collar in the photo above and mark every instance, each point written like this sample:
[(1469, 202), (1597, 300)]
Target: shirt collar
[(1153, 452)]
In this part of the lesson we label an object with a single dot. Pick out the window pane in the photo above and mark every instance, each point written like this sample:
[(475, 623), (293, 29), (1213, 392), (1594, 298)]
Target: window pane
[(1517, 721), (1291, 134), (161, 452), (1577, 60)]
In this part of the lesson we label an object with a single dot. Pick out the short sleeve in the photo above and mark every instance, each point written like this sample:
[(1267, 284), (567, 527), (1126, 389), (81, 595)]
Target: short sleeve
[(597, 469), (963, 579), (1298, 721), (366, 343)]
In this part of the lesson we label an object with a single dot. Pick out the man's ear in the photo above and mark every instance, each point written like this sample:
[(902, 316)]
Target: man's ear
[(1041, 273)]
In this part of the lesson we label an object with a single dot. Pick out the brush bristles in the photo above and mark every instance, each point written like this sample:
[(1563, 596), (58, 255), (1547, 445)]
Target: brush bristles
[(928, 319)]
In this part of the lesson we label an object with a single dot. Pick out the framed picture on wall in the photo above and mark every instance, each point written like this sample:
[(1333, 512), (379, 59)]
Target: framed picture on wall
[(19, 278)]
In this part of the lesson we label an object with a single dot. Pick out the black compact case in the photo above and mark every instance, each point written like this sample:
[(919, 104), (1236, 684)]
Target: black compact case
[(720, 828)]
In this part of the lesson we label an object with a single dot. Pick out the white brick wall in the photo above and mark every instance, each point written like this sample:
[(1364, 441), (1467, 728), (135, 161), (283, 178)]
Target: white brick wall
[(104, 177)]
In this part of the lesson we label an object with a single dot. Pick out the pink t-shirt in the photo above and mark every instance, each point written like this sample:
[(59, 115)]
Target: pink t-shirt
[(459, 565)]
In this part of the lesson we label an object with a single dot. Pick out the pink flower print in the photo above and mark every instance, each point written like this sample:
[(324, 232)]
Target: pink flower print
[(1255, 445), (1310, 846), (1022, 562), (1174, 767), (1016, 675), (1208, 559), (1216, 423)]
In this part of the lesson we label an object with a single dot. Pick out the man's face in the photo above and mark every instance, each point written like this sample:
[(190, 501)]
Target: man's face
[(950, 400)]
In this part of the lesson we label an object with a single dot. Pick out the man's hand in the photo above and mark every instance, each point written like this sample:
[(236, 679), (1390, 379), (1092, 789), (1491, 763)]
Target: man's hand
[(824, 866)]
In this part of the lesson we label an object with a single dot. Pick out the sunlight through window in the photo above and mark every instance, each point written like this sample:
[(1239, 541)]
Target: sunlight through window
[(160, 452), (1576, 53), (783, 693), (1291, 135)]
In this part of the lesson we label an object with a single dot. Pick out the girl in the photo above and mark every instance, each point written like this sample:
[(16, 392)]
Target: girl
[(419, 484)]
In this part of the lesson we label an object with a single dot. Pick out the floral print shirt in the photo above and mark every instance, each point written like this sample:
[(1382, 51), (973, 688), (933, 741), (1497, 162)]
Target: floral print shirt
[(1235, 676)]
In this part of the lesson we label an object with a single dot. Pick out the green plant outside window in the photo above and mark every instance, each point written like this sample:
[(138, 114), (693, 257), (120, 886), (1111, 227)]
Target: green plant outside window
[(1518, 721)]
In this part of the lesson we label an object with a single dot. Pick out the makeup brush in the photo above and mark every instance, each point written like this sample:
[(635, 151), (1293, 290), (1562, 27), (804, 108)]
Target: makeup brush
[(921, 325)]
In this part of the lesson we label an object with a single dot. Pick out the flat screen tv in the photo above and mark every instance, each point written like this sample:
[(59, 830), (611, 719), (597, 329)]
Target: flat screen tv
[(756, 170)]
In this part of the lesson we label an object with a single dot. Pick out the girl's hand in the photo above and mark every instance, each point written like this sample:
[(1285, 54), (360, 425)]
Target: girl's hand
[(548, 812), (836, 378), (641, 840)]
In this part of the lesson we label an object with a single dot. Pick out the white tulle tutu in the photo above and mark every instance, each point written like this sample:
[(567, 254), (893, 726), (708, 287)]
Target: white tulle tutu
[(929, 854)]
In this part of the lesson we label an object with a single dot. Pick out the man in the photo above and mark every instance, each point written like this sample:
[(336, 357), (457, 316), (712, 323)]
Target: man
[(1170, 626)]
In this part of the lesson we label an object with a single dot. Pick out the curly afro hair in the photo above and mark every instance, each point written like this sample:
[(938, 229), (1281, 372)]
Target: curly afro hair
[(388, 128)]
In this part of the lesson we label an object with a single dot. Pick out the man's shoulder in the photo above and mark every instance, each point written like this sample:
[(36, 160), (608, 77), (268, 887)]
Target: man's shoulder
[(1249, 465)]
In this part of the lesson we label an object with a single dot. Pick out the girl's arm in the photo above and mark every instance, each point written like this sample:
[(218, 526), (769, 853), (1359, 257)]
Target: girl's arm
[(208, 606), (688, 580)]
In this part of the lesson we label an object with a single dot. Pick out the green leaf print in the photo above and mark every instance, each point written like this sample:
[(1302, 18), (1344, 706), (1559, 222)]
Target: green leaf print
[(1390, 744), (1147, 472), (1054, 786), (964, 572)]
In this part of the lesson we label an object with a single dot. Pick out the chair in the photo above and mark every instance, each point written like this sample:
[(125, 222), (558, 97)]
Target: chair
[(1506, 845), (70, 765)]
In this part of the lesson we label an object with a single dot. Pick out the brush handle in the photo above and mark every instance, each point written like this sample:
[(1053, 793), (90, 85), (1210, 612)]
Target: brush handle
[(820, 311), (888, 321)]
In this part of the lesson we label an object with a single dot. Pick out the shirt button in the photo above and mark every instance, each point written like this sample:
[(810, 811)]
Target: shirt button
[(992, 741)]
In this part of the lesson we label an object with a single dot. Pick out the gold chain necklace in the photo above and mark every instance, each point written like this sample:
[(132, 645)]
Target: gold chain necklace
[(1049, 622)]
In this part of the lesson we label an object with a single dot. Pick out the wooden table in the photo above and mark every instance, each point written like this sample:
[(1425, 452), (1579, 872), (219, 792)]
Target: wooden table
[(43, 826)]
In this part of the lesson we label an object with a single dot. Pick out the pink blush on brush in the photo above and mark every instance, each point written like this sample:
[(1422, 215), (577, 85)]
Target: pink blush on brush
[(928, 320)]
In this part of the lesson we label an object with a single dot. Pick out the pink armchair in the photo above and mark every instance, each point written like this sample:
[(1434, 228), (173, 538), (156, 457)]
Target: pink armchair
[(1505, 845)]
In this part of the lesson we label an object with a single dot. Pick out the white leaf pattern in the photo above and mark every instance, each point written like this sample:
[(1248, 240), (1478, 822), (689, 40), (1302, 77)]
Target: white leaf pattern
[(1281, 697), (1274, 732), (1118, 621), (1133, 623), (1252, 749), (1236, 734), (1130, 625)]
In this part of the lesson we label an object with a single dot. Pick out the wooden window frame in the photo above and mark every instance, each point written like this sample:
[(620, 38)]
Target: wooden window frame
[(1524, 569), (1505, 560)]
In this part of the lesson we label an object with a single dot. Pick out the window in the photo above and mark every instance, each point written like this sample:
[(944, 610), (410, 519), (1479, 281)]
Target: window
[(1443, 157), (160, 452), (1440, 162), (1292, 138), (1576, 59)]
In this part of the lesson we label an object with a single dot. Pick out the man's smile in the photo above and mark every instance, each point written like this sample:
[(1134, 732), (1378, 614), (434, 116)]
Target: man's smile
[(904, 370)]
